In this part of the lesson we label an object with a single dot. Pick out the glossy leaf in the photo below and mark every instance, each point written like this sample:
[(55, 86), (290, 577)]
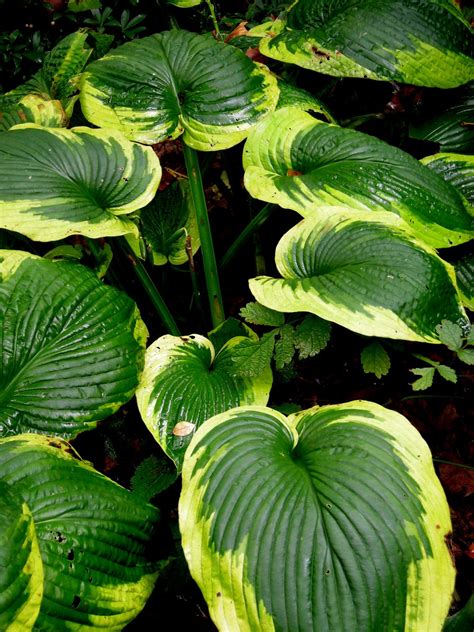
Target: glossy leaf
[(160, 86), (79, 181), (94, 536), (427, 42), (364, 272), (184, 4), (300, 163), (183, 383), (21, 568), (465, 278), (168, 222), (72, 348), (330, 516), (457, 169), (452, 123), (291, 96)]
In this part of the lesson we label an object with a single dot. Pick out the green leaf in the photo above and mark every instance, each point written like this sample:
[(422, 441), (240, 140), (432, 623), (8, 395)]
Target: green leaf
[(167, 222), (450, 334), (426, 378), (21, 568), (72, 348), (285, 346), (94, 536), (183, 384), (447, 373), (230, 328), (456, 169), (452, 124), (63, 65), (375, 360), (74, 253), (466, 356), (291, 96), (462, 621), (83, 5), (364, 272), (152, 477), (32, 108), (184, 4), (79, 181), (331, 516), (251, 359), (465, 278), (421, 43), (312, 336), (293, 160), (260, 315), (160, 86)]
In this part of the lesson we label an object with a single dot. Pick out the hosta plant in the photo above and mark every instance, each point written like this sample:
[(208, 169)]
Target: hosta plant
[(329, 519)]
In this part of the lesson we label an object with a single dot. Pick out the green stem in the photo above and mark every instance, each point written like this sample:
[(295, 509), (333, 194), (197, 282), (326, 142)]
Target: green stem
[(150, 288), (246, 234), (466, 467), (212, 11), (207, 247), (174, 237)]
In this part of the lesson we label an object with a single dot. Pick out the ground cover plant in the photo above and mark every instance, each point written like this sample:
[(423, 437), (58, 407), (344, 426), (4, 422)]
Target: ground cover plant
[(235, 244)]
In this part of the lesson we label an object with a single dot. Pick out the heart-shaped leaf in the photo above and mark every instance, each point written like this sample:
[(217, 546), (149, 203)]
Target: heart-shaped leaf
[(364, 272), (72, 348), (301, 163), (160, 86), (79, 181), (94, 536), (425, 43), (465, 279), (183, 384), (21, 569), (331, 519), (169, 223)]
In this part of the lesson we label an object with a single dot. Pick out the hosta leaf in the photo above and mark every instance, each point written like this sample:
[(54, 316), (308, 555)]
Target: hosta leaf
[(184, 4), (21, 569), (300, 163), (312, 336), (452, 126), (375, 360), (62, 66), (465, 279), (32, 108), (183, 384), (291, 96), (462, 621), (332, 519), (152, 476), (261, 315), (365, 274), (71, 347), (79, 181), (94, 536), (456, 169), (425, 42), (160, 86), (166, 224)]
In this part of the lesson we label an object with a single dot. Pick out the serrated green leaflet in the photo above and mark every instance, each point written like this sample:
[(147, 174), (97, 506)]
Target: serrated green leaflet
[(168, 223), (330, 516), (183, 384), (364, 272), (375, 360), (458, 170), (21, 569), (32, 108), (422, 42), (160, 86), (300, 163), (79, 181), (93, 536), (72, 348)]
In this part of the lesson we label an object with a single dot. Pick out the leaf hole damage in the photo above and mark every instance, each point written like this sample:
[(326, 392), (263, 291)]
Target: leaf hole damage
[(76, 601)]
